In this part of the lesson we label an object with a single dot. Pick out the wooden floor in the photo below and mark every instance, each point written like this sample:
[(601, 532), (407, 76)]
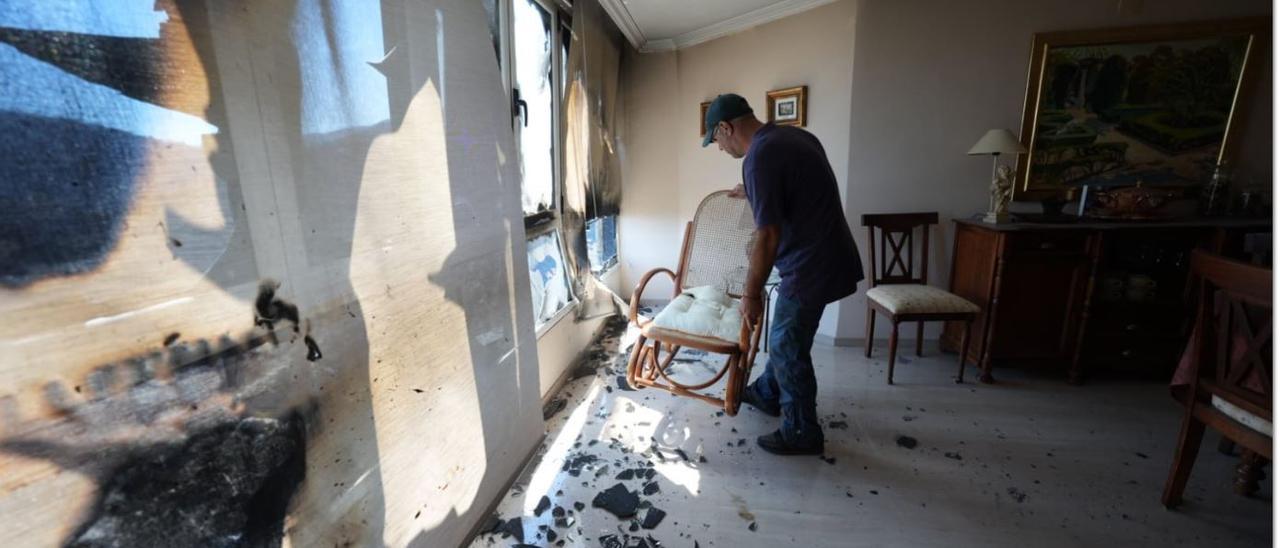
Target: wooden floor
[(1030, 461)]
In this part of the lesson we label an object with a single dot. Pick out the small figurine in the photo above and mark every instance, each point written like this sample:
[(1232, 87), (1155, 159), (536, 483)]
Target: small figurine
[(1001, 194)]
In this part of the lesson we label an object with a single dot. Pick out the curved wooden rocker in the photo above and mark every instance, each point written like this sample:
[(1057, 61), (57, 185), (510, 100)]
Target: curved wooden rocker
[(715, 252)]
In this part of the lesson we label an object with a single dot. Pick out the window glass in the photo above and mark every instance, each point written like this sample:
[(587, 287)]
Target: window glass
[(548, 278), (495, 26), (531, 26), (566, 37), (602, 243)]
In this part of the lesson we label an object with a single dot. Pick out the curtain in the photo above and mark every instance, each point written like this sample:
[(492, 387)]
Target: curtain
[(592, 169)]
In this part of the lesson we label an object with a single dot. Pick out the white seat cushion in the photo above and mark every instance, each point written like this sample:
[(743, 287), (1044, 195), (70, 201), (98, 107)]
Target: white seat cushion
[(1258, 424), (704, 311), (918, 299)]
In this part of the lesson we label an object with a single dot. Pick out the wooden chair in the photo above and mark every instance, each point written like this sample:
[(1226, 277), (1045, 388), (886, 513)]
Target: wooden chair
[(715, 254), (1231, 388), (903, 296)]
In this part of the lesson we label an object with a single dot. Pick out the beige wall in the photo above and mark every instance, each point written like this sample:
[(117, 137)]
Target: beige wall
[(922, 79), (666, 172), (380, 193), (930, 77)]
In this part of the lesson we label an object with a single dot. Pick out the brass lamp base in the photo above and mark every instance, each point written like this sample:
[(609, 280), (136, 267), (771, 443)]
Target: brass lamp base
[(996, 218)]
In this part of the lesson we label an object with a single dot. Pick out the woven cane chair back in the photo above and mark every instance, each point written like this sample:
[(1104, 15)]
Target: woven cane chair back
[(718, 249)]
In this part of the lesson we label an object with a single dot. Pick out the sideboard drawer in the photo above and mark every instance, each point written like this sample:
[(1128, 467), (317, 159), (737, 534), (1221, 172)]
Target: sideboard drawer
[(1039, 243)]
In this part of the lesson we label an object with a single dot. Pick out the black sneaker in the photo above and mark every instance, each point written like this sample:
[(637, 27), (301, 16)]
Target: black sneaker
[(774, 443), (750, 397)]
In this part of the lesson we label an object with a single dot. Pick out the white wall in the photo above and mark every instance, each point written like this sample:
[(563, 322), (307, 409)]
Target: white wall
[(560, 345), (666, 172), (381, 195), (930, 77)]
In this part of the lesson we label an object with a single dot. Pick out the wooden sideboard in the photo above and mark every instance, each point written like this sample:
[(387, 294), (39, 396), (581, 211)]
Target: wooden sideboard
[(1085, 296)]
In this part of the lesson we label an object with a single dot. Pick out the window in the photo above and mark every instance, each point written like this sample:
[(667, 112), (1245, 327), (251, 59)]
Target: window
[(534, 65), (531, 29), (548, 279), (602, 243)]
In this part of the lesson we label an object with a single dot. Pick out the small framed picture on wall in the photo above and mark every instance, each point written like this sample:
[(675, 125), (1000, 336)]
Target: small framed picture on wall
[(788, 106), (702, 118)]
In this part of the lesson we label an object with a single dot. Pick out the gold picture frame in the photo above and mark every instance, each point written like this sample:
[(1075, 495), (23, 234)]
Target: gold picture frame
[(702, 118), (788, 107), (1100, 109)]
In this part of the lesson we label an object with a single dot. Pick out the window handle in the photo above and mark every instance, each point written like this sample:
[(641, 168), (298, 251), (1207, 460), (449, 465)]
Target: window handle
[(518, 104)]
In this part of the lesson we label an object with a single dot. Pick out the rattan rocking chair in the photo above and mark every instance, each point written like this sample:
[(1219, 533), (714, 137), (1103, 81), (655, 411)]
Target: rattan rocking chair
[(713, 259)]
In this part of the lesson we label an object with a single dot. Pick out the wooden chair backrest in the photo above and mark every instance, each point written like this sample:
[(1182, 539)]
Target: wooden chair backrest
[(896, 262), (1234, 330), (717, 245)]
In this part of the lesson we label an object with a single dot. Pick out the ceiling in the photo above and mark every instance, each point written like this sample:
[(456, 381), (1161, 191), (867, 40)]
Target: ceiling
[(664, 25)]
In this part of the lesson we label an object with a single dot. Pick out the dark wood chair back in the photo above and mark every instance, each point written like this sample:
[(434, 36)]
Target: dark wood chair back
[(896, 261), (1234, 331)]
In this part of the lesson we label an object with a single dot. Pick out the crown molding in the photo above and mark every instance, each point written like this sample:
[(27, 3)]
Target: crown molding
[(653, 46), (621, 17), (627, 24)]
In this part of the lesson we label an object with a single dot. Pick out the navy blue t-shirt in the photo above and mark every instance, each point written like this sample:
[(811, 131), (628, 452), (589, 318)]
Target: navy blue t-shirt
[(789, 183)]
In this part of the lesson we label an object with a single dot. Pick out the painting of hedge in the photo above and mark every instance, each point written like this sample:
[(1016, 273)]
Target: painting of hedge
[(1116, 114)]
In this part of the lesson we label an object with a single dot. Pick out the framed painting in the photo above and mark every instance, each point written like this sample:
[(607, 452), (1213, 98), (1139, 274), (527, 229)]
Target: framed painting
[(788, 107), (1152, 104)]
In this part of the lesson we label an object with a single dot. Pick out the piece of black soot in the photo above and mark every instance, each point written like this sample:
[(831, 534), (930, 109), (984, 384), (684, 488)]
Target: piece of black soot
[(952, 455), (907, 442), (1017, 494), (268, 309), (229, 481), (651, 488), (574, 464), (492, 524), (542, 506), (617, 500), (838, 425), (513, 527), (554, 406), (313, 349), (652, 518)]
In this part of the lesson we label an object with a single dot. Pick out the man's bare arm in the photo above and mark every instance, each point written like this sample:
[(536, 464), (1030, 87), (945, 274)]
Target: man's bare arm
[(763, 254)]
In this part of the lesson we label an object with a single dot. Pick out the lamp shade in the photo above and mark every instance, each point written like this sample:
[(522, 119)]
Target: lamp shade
[(998, 141)]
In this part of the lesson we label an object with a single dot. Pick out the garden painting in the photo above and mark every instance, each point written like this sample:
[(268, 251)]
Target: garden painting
[(1154, 112)]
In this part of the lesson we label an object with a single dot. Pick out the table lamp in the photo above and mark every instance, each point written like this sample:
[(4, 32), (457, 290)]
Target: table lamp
[(996, 142)]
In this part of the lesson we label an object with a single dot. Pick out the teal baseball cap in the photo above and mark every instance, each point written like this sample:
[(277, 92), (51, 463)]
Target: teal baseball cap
[(724, 108)]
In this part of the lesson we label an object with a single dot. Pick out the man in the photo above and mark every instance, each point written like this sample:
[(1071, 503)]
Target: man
[(800, 229)]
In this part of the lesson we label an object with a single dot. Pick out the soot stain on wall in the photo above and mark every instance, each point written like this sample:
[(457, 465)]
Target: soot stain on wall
[(65, 185), (65, 189), (177, 441), (229, 485), (126, 64)]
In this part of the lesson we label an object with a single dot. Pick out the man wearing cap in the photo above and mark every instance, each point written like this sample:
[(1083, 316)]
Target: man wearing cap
[(801, 230)]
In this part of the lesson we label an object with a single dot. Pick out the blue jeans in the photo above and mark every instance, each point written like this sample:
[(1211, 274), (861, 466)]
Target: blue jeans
[(788, 376)]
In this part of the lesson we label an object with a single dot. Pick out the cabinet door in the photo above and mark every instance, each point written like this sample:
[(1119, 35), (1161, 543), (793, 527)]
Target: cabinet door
[(1040, 292)]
